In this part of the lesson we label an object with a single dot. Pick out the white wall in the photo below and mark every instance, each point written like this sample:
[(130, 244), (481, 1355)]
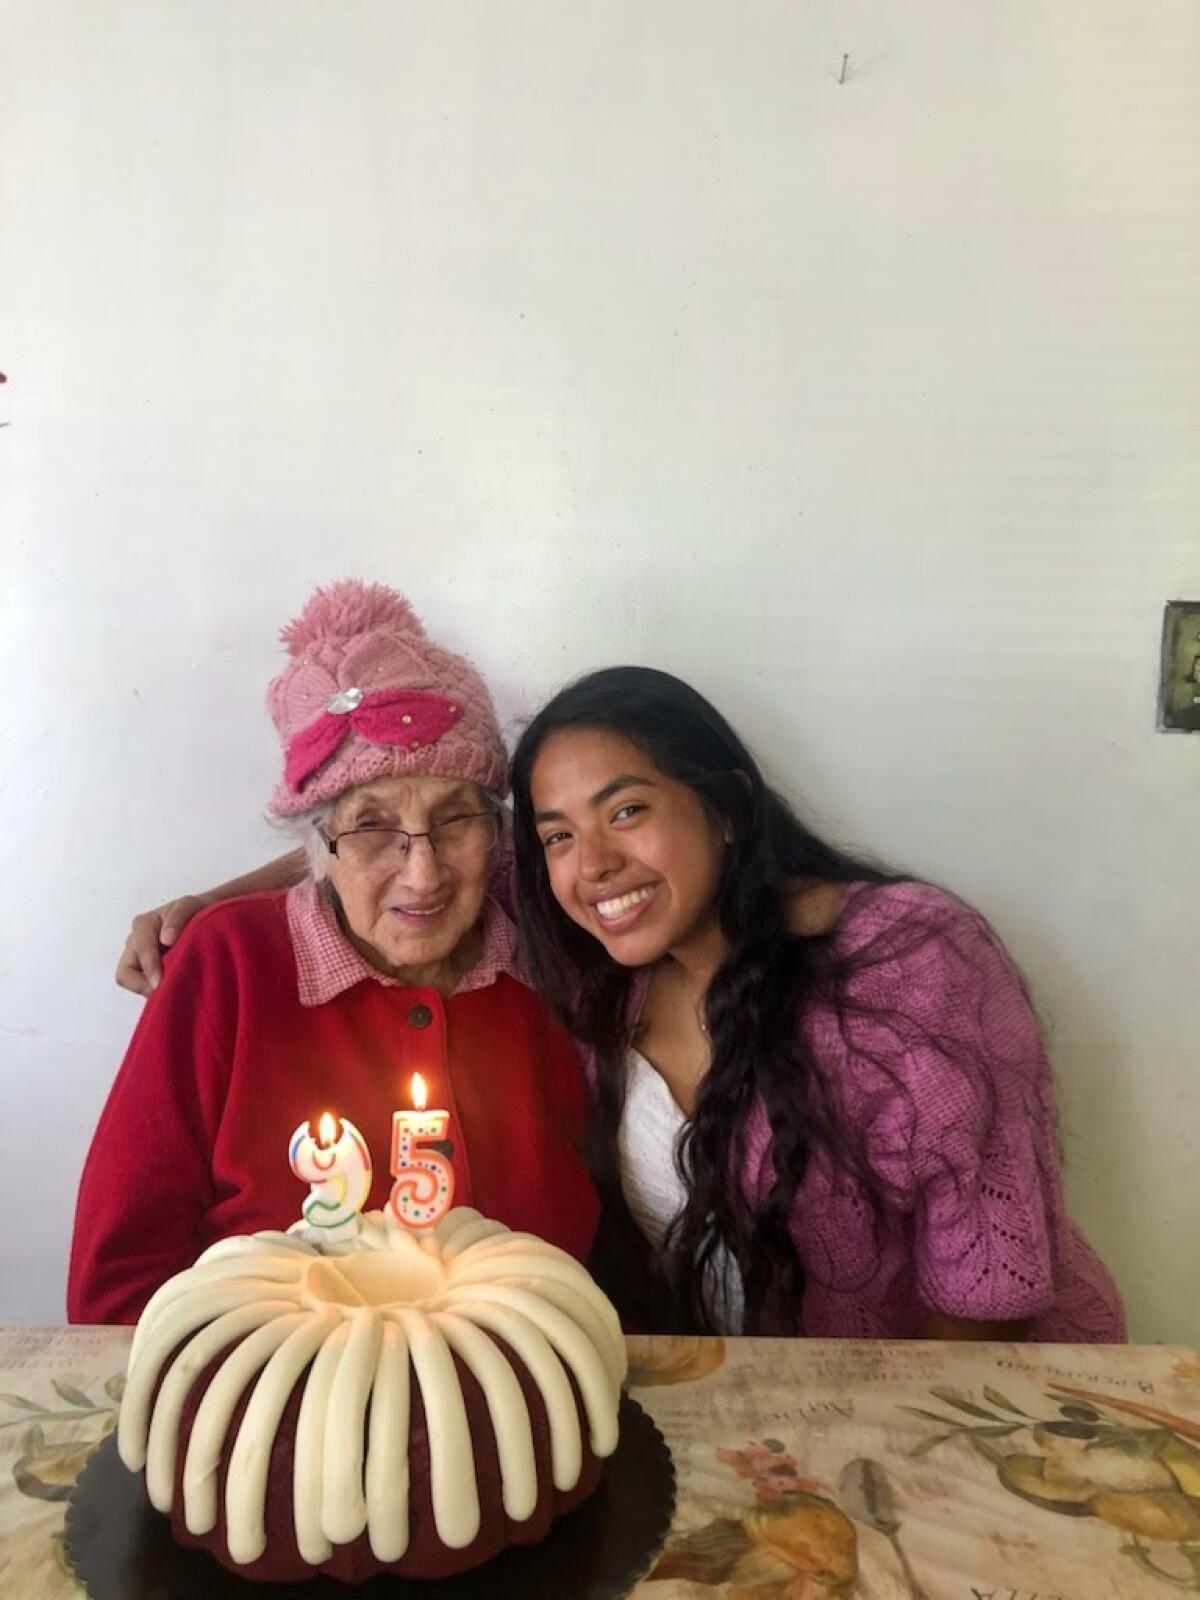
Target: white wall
[(615, 331)]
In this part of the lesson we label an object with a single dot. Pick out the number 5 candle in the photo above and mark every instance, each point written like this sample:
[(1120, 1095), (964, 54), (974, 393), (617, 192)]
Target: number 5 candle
[(424, 1187), (337, 1164)]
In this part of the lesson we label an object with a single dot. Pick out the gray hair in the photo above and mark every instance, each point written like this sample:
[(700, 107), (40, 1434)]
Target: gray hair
[(306, 831)]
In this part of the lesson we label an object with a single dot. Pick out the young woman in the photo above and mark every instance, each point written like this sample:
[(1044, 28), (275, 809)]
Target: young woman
[(820, 1093)]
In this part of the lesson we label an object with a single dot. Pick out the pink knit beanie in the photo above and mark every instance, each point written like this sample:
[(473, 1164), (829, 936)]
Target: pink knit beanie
[(367, 694)]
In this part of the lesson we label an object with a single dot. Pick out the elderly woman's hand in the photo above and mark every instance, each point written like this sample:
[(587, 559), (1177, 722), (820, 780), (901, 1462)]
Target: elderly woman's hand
[(140, 967)]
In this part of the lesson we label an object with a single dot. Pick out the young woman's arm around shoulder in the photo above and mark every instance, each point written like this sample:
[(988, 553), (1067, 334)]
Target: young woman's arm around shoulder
[(140, 968)]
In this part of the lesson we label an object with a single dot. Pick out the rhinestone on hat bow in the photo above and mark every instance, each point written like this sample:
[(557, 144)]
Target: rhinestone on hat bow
[(407, 718)]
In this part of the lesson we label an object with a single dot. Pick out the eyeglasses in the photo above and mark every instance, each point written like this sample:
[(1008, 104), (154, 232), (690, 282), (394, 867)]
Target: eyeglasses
[(458, 839)]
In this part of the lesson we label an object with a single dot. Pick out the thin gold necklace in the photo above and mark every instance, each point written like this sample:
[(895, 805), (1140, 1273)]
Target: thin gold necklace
[(697, 1009)]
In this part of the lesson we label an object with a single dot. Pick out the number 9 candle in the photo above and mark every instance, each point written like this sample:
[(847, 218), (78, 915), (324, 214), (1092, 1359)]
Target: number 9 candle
[(424, 1187), (337, 1164)]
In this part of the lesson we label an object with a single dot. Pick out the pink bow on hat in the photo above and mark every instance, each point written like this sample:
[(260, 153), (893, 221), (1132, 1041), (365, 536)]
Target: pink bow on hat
[(409, 718)]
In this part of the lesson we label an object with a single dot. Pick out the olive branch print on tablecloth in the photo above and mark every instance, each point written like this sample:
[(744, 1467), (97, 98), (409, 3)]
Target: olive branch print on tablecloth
[(1129, 1465), (46, 1467), (867, 1494)]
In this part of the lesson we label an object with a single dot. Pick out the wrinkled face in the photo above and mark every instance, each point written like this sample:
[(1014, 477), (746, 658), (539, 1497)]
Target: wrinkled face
[(411, 911), (633, 855)]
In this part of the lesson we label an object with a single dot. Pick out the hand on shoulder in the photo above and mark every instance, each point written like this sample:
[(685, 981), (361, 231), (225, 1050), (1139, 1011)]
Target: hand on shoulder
[(150, 934), (140, 967)]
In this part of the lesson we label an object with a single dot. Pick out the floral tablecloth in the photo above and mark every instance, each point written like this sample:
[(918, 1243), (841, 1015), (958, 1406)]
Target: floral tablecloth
[(806, 1469)]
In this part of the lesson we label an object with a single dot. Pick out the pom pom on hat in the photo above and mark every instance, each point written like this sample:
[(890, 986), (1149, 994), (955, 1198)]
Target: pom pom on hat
[(346, 609)]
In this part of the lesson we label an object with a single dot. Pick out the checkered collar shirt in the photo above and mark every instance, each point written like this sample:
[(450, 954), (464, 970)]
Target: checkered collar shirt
[(327, 964)]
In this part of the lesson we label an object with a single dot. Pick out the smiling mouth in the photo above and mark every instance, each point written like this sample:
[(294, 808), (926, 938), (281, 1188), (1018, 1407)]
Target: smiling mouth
[(621, 905), (419, 911)]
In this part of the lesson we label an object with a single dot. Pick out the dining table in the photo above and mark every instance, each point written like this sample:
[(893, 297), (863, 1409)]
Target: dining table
[(805, 1469)]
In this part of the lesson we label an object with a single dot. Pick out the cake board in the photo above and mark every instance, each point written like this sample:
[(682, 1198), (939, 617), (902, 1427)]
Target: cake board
[(121, 1548)]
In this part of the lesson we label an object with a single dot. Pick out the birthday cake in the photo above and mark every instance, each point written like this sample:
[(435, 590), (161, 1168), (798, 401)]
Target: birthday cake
[(405, 1402)]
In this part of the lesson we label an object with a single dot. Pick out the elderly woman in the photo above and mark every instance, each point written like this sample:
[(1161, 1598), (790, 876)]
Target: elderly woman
[(390, 958)]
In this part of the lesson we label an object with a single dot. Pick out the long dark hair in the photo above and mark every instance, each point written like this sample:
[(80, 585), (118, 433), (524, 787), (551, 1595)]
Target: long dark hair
[(752, 1003)]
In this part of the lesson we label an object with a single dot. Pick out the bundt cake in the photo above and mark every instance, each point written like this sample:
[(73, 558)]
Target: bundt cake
[(405, 1402)]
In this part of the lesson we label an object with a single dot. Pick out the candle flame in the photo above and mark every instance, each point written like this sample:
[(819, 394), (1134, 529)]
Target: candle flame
[(327, 1130), (419, 1095)]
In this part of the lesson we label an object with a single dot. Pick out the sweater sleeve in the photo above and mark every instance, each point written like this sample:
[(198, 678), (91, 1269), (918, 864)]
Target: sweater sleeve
[(969, 1136), (147, 1180)]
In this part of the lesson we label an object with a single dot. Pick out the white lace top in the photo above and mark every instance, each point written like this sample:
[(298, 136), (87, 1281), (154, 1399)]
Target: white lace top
[(654, 1192)]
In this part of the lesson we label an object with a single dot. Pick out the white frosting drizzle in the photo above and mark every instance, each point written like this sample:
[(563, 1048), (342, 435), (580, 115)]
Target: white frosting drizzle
[(507, 1409), (164, 1424), (309, 1450), (258, 1268), (143, 1373), (250, 1461), (360, 1311), (571, 1346), (455, 1496), (343, 1492), (212, 1419), (547, 1371), (387, 1459)]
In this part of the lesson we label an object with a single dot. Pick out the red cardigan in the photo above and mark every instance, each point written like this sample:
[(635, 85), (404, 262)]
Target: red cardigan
[(225, 1063)]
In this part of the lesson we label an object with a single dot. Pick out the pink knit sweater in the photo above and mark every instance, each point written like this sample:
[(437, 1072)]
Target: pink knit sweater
[(944, 1076)]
